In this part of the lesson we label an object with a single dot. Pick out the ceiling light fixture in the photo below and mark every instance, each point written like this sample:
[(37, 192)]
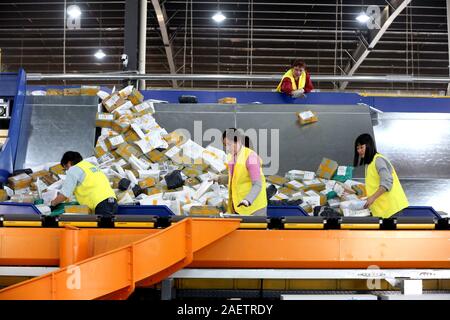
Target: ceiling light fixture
[(363, 17), (100, 54), (73, 11), (218, 17)]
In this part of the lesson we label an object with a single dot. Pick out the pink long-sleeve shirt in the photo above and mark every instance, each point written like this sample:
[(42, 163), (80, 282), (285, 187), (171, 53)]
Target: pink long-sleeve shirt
[(253, 166)]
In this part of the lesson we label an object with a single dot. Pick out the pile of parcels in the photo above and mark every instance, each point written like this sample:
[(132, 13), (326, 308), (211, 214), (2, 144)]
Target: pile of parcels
[(331, 188), (147, 165)]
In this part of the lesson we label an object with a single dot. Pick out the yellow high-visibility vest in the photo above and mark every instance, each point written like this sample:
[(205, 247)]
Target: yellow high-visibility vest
[(390, 202), (240, 185), (95, 187), (289, 75)]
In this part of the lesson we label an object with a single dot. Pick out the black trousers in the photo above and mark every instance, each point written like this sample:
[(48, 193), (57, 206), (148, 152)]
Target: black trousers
[(107, 207)]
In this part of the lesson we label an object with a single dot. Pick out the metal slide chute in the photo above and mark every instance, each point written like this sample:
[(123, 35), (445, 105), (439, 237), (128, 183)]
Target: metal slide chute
[(114, 274)]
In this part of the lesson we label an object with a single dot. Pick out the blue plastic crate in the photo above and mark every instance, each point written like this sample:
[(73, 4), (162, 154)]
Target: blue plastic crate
[(18, 208), (160, 211), (285, 211), (419, 211)]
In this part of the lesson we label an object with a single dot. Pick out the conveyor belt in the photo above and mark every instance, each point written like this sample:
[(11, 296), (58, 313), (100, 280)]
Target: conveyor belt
[(247, 222)]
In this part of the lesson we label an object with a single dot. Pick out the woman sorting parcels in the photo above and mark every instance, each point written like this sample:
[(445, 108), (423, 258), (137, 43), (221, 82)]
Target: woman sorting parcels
[(386, 197), (246, 181)]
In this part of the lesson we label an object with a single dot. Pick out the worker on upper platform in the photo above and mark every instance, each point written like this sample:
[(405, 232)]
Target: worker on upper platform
[(296, 81), (246, 181), (386, 197), (89, 184)]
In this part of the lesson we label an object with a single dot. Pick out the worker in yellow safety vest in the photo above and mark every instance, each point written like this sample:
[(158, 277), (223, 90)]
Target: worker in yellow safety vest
[(386, 197), (89, 184), (296, 81), (245, 179)]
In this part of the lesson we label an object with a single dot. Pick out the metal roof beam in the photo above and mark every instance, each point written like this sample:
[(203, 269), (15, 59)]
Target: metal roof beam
[(161, 16), (388, 15)]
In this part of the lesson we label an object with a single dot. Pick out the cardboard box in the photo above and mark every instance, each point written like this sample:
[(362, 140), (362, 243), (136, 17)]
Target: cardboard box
[(99, 152), (227, 100), (57, 169), (150, 142), (343, 173), (214, 161), (131, 136), (154, 190), (300, 175), (315, 184), (125, 92), (72, 91), (20, 181), (327, 168), (125, 197), (23, 198), (156, 156), (298, 195), (145, 107), (113, 102), (287, 191), (190, 182), (115, 182), (123, 111), (347, 187), (295, 185), (192, 149), (175, 138), (279, 196), (104, 120), (183, 160), (120, 126), (39, 174), (48, 179), (113, 143), (105, 159), (102, 94), (149, 174), (54, 92), (334, 203), (136, 97), (307, 117), (307, 207), (277, 180), (314, 198), (202, 167), (191, 172), (115, 154), (89, 90), (147, 183), (204, 211), (78, 209), (3, 195)]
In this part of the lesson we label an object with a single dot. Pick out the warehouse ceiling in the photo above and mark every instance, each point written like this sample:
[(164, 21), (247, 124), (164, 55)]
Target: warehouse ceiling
[(258, 37)]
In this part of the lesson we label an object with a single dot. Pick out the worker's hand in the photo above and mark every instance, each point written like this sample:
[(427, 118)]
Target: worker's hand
[(300, 93), (370, 201), (244, 203)]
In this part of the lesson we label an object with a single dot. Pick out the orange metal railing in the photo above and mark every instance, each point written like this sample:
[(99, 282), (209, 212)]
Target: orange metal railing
[(114, 274)]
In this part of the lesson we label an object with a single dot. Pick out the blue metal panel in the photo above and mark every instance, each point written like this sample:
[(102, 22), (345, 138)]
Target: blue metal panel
[(8, 154), (389, 104), (8, 85), (264, 97)]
